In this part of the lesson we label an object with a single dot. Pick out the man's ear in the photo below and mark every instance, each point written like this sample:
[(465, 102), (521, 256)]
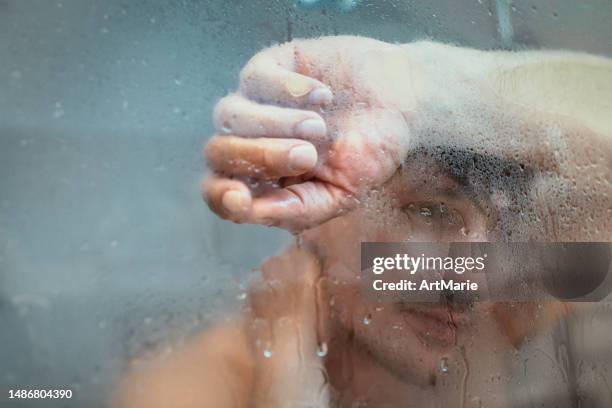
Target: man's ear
[(520, 320)]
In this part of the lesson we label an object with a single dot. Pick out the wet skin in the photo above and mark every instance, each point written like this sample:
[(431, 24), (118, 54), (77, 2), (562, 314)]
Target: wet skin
[(342, 140)]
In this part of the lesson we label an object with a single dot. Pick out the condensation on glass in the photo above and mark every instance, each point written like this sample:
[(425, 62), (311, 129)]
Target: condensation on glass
[(108, 257)]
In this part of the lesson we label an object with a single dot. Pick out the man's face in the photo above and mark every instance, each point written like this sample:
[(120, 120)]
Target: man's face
[(407, 338)]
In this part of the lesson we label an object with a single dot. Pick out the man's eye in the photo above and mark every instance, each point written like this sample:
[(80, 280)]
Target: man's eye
[(434, 213)]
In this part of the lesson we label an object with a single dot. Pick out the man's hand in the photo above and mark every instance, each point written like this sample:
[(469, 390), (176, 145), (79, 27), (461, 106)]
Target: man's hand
[(314, 125)]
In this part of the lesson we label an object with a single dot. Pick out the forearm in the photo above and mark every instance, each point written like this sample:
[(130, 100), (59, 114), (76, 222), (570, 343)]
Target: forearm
[(574, 85)]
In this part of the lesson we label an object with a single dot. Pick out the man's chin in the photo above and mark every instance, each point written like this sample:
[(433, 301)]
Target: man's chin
[(408, 344), (403, 356)]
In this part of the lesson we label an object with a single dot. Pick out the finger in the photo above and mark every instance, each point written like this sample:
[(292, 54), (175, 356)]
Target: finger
[(261, 157), (270, 77), (300, 206), (229, 199), (295, 208), (241, 117)]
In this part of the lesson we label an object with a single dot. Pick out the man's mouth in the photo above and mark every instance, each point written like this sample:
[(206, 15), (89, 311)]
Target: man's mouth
[(434, 323)]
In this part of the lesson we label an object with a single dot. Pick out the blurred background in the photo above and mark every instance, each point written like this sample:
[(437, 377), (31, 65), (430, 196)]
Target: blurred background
[(106, 249)]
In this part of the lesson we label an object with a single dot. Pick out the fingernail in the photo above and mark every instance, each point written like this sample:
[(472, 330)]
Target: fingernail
[(236, 202), (311, 128), (298, 85), (320, 96), (302, 157)]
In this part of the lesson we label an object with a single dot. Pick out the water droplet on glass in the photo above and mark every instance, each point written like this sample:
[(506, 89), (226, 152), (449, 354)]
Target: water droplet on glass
[(58, 111), (444, 365), (425, 212), (322, 349), (367, 319)]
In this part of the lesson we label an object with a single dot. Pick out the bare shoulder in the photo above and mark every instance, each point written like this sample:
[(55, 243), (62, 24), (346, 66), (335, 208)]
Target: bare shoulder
[(217, 368), (213, 369)]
